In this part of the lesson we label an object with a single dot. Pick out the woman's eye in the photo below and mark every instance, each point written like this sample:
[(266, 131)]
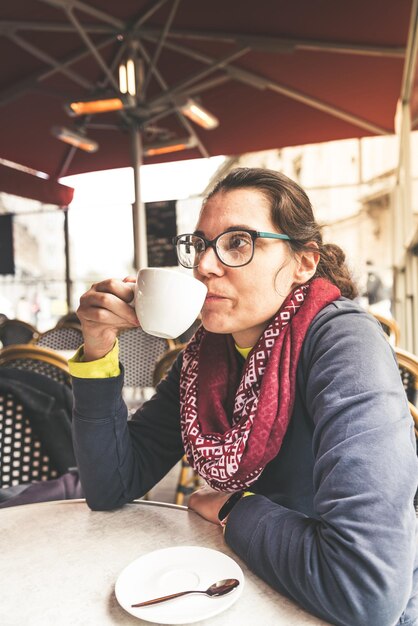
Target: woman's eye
[(199, 246), (237, 241)]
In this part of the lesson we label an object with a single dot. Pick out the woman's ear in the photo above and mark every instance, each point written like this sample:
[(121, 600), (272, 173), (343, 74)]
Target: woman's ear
[(306, 263)]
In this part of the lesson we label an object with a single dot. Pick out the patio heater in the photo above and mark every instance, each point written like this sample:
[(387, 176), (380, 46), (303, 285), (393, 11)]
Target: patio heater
[(130, 96)]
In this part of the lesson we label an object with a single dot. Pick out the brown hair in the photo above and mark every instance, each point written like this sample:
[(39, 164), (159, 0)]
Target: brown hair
[(292, 213)]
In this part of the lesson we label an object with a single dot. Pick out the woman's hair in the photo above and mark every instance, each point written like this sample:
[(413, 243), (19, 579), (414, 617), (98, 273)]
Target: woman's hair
[(291, 212)]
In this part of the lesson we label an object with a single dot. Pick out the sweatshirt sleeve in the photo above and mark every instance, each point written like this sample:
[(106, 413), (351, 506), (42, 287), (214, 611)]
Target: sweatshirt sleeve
[(351, 564), (106, 367), (120, 460)]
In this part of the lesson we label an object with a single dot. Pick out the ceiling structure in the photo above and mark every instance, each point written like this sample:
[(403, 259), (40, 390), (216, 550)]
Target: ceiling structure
[(274, 72)]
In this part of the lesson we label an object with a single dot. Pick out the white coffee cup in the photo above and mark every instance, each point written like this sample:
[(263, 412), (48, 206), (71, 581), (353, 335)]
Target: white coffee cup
[(167, 301)]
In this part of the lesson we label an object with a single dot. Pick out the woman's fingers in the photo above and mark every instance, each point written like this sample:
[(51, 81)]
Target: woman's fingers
[(129, 279), (107, 301), (122, 289), (104, 310), (105, 306)]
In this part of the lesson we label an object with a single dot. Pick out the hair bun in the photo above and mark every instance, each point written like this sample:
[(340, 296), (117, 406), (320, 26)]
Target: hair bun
[(334, 253)]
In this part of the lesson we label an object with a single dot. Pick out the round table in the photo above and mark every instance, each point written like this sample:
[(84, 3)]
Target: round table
[(60, 560)]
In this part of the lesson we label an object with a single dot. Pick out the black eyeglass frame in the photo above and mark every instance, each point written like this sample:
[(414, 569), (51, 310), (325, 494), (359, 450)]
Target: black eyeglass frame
[(212, 243)]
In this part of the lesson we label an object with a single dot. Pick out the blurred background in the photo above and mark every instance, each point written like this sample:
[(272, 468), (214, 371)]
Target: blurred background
[(350, 184)]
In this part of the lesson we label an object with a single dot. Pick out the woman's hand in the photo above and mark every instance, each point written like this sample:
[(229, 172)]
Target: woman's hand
[(103, 312), (207, 503)]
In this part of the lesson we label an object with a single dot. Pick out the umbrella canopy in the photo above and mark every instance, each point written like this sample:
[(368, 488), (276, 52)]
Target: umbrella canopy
[(273, 72)]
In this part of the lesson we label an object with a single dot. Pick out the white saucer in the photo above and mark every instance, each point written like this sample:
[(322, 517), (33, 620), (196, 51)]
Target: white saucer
[(170, 570)]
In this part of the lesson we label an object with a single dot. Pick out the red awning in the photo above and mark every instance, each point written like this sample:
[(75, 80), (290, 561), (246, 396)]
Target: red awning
[(276, 73), (29, 186)]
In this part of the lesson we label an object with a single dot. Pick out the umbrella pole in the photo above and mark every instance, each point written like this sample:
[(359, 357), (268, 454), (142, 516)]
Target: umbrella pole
[(138, 208), (68, 284)]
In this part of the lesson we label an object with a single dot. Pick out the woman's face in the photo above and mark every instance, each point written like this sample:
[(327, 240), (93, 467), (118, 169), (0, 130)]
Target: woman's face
[(242, 300)]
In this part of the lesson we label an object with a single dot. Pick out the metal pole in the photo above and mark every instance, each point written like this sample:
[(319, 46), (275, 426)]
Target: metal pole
[(138, 208), (406, 291), (68, 283)]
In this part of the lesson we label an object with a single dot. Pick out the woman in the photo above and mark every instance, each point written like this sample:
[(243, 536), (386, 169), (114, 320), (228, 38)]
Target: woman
[(301, 414)]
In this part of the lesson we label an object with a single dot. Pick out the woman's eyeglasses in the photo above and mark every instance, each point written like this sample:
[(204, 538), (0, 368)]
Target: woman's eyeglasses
[(233, 248)]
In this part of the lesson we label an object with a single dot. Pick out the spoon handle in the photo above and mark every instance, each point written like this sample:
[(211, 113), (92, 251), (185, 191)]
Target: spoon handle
[(164, 598)]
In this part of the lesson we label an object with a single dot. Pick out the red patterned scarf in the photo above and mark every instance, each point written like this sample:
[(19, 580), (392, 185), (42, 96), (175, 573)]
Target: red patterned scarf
[(233, 423)]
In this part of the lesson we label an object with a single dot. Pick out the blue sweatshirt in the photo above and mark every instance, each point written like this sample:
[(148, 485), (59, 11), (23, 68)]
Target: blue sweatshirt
[(332, 524)]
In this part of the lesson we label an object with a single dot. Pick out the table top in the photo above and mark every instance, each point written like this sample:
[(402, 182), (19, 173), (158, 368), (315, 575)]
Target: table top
[(60, 561)]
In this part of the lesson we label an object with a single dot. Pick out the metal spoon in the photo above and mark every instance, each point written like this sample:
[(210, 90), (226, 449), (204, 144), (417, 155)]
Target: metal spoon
[(221, 588)]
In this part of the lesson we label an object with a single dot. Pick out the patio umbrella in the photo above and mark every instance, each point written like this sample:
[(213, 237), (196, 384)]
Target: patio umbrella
[(275, 73), (272, 73)]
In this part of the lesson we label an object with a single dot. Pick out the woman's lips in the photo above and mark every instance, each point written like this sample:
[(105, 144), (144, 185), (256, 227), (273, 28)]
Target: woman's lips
[(214, 297)]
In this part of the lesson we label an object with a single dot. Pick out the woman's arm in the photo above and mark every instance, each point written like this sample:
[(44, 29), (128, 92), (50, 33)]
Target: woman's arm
[(353, 564), (119, 460)]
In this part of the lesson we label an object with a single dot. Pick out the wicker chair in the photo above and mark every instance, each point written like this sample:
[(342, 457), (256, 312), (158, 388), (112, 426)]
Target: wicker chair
[(390, 327), (36, 359), (63, 337), (35, 441), (189, 480), (139, 352), (15, 331), (408, 368)]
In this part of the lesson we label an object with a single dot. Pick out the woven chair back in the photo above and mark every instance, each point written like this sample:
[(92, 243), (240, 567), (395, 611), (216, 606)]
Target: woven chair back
[(139, 352), (68, 337), (36, 359)]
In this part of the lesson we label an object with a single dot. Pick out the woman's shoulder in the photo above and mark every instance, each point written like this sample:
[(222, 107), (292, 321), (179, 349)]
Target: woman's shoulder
[(346, 352), (344, 314), (344, 325)]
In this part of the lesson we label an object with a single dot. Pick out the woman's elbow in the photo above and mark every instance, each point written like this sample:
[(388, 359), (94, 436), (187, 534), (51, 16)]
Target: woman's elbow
[(98, 504), (372, 604), (105, 500)]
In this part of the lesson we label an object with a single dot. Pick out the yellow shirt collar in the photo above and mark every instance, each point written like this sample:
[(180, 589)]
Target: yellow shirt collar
[(244, 351)]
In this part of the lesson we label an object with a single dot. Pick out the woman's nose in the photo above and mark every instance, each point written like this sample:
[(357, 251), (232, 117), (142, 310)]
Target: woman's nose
[(209, 263)]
